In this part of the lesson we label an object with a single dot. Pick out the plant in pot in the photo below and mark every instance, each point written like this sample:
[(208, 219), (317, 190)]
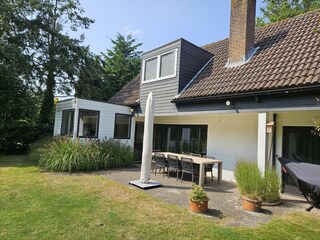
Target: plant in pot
[(198, 199), (250, 185), (271, 188)]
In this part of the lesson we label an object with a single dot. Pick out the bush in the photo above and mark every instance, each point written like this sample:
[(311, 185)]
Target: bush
[(249, 180), (198, 194), (271, 186), (65, 155)]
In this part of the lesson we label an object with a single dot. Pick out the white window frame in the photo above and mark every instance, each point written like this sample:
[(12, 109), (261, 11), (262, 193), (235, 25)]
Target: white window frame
[(175, 51)]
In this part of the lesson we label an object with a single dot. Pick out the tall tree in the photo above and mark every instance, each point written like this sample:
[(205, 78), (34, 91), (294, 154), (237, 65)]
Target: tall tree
[(121, 63), (55, 56), (17, 103), (277, 10), (91, 81)]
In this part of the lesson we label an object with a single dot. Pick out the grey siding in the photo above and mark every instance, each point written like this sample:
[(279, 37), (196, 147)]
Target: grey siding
[(190, 59), (163, 90), (193, 58)]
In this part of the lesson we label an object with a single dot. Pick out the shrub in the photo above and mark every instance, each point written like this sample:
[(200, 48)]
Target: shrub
[(63, 154), (271, 186), (249, 180), (198, 194)]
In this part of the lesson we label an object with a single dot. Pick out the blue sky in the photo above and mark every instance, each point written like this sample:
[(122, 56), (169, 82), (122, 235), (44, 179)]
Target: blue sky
[(157, 22)]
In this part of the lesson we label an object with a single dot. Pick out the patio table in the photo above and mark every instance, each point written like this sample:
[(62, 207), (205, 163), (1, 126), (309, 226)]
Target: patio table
[(202, 162)]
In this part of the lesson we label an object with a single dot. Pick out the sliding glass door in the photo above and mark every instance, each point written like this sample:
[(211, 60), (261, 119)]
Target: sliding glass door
[(181, 138), (299, 143)]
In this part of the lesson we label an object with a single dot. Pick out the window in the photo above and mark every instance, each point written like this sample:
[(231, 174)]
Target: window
[(180, 138), (88, 123), (67, 122), (167, 62), (122, 126), (160, 67), (150, 69)]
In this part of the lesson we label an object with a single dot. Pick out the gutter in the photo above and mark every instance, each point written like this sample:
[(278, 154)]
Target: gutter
[(247, 94)]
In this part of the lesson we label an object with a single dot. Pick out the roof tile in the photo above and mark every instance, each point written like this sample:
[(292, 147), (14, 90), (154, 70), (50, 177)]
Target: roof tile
[(288, 55)]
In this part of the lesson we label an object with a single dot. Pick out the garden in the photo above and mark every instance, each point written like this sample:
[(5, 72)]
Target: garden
[(42, 204)]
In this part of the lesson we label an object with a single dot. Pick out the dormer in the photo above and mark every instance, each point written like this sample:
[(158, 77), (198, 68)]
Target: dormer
[(167, 70)]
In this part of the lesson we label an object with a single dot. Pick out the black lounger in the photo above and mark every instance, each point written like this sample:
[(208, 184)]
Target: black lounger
[(306, 177)]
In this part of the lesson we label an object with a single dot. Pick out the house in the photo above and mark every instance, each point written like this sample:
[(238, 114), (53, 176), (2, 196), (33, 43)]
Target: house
[(253, 95)]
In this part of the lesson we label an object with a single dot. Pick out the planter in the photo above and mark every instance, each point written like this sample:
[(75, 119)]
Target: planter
[(198, 207), (251, 205)]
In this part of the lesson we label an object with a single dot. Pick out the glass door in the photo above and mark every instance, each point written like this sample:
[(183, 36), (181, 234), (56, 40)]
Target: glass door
[(180, 138), (299, 143)]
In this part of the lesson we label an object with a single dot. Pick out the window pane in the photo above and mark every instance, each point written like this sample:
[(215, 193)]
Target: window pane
[(88, 124), (67, 122), (122, 126), (167, 64), (150, 71)]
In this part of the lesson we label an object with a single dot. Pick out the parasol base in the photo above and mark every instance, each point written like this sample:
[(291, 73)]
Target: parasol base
[(150, 184)]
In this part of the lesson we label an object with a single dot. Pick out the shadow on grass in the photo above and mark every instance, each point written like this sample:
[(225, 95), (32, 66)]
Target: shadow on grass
[(15, 161)]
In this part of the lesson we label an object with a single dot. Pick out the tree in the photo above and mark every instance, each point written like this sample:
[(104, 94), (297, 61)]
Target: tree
[(91, 78), (55, 56), (277, 10), (121, 64), (18, 104)]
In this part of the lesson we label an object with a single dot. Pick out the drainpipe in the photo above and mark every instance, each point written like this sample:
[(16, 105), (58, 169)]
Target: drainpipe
[(274, 143), (75, 120)]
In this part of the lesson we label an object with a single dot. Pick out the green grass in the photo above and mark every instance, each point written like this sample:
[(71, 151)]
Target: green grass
[(35, 205)]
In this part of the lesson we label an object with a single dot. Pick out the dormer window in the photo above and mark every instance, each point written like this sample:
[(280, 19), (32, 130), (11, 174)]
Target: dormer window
[(160, 67)]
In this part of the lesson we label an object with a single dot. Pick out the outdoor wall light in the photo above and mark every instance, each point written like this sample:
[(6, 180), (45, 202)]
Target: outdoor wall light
[(270, 126), (228, 103)]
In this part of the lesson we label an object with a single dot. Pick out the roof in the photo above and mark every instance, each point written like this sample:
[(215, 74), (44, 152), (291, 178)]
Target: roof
[(129, 94), (288, 57)]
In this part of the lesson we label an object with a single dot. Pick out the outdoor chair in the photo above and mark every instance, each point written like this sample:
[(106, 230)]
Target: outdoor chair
[(160, 162), (173, 164), (187, 166), (208, 168), (196, 155), (153, 161), (306, 177)]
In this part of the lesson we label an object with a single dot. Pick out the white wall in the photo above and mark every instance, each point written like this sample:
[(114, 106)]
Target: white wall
[(230, 136), (106, 119), (63, 105)]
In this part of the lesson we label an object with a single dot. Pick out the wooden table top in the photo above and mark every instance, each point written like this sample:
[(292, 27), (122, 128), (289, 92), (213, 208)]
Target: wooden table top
[(197, 160)]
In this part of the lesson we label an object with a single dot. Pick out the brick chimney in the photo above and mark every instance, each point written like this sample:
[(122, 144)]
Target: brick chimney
[(242, 26)]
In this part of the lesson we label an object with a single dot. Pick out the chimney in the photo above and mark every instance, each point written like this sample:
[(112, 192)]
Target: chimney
[(242, 26)]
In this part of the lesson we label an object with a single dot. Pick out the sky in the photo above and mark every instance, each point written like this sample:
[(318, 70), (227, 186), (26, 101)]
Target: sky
[(157, 22)]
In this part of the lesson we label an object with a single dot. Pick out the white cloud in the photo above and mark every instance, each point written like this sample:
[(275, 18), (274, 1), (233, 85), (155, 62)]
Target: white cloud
[(128, 30)]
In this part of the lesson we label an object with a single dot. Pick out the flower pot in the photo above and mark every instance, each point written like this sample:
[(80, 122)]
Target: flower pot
[(251, 205), (198, 207)]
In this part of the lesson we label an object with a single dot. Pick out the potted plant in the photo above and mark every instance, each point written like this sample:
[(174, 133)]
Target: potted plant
[(250, 185), (198, 199)]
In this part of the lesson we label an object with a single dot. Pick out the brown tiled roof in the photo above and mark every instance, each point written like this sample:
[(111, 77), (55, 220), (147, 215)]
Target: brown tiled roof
[(288, 56), (129, 94)]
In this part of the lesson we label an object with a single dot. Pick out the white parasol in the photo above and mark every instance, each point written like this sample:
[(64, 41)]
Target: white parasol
[(147, 141)]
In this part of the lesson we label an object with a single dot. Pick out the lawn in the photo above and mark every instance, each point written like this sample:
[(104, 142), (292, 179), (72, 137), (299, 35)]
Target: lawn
[(40, 205)]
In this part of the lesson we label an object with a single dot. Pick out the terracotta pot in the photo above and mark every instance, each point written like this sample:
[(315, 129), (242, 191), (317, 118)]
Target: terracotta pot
[(198, 207), (251, 205)]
